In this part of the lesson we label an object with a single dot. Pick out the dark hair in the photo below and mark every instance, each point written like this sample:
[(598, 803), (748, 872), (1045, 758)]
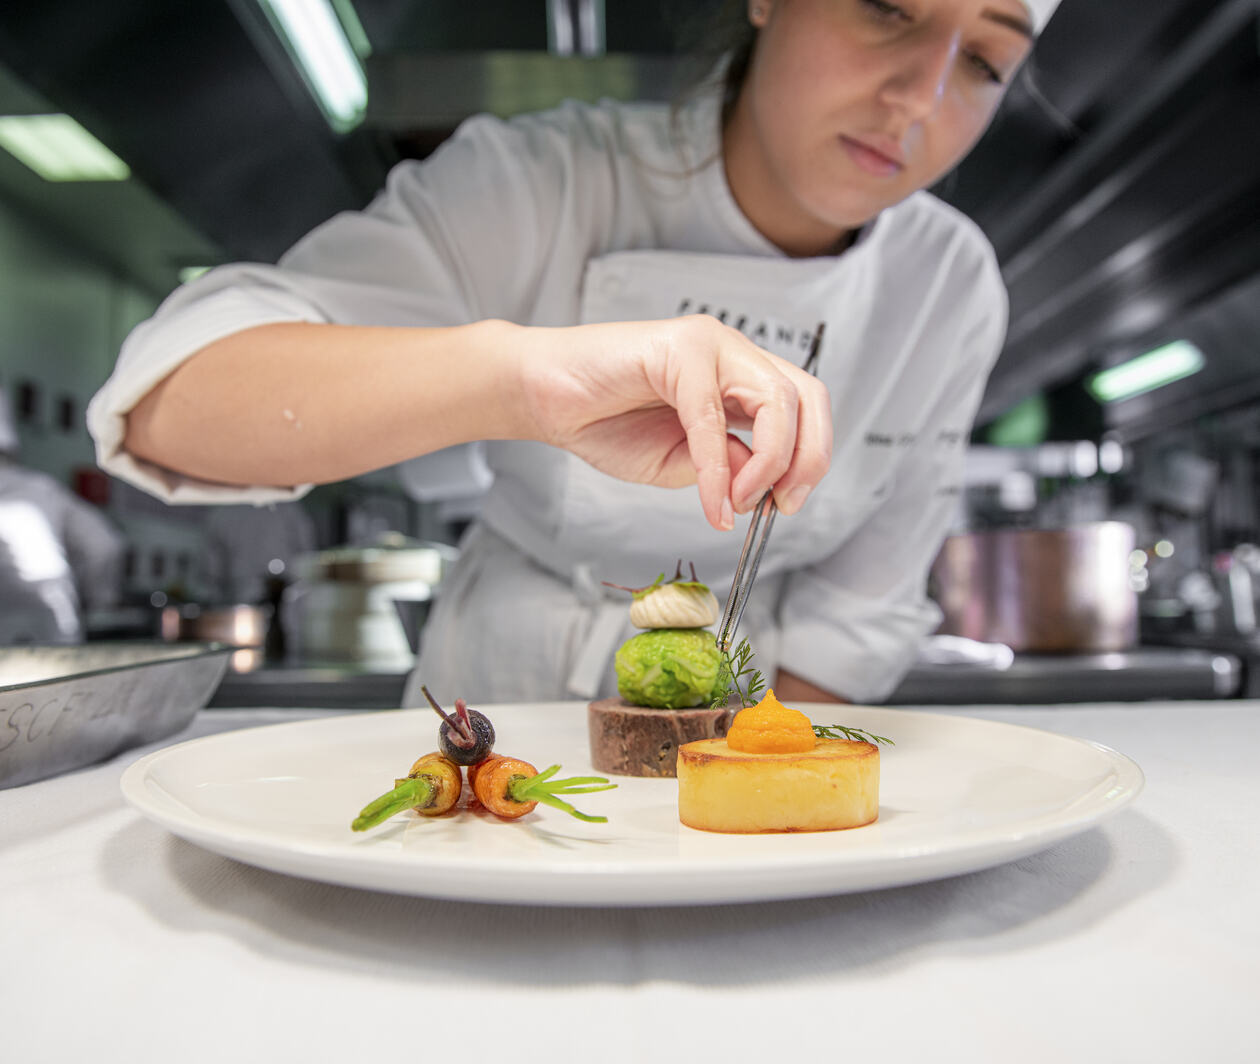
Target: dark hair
[(718, 31)]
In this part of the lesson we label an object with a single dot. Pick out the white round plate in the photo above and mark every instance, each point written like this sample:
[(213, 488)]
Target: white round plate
[(957, 794)]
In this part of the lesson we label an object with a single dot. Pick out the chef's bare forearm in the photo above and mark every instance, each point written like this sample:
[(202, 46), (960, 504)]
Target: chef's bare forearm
[(301, 403), (789, 688)]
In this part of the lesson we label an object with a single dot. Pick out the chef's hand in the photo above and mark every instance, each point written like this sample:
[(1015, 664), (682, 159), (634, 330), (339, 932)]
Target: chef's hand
[(653, 402)]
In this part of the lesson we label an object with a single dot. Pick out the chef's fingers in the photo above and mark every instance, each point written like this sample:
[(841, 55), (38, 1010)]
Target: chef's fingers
[(702, 415), (812, 457), (717, 369), (790, 453), (772, 399), (737, 454)]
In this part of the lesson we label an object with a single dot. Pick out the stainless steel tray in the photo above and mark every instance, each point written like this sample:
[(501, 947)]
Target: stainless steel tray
[(62, 707)]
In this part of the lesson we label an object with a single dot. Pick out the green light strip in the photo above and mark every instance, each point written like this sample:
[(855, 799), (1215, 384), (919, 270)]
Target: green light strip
[(1166, 364), (59, 149)]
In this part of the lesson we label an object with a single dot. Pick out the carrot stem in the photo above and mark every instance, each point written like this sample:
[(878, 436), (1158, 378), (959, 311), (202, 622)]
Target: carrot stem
[(557, 803), (542, 788), (461, 727), (408, 794), (545, 774)]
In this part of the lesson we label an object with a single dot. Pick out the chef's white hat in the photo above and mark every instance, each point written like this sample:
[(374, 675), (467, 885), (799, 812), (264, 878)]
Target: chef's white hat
[(1041, 10), (8, 431)]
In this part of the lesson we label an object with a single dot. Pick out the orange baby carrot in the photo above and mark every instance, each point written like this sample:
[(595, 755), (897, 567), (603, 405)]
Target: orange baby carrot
[(510, 788), (473, 771), (491, 780)]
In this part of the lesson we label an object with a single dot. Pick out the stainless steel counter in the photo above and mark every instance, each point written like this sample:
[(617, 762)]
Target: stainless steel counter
[(1146, 673), (325, 686), (1245, 647), (1163, 673)]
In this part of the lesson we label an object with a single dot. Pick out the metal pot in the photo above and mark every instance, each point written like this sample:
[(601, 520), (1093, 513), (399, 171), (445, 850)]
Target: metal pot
[(240, 625), (365, 604), (1041, 590), (394, 559), (237, 625)]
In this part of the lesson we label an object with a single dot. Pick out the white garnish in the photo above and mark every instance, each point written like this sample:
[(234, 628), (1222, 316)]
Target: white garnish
[(672, 606)]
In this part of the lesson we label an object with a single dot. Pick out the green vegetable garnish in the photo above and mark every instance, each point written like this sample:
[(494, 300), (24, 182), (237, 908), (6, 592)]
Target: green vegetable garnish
[(857, 735), (669, 668), (643, 592), (731, 670)]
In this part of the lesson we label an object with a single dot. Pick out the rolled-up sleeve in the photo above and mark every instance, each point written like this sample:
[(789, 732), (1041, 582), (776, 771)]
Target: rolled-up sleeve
[(852, 622)]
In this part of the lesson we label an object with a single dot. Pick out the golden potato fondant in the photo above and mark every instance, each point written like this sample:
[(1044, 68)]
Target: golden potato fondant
[(835, 785), (771, 774)]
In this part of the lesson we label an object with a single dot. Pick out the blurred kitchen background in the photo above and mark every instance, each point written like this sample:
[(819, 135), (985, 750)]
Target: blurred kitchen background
[(1107, 535)]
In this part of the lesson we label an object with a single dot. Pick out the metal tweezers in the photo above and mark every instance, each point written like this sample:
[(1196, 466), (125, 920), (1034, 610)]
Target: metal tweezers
[(762, 521)]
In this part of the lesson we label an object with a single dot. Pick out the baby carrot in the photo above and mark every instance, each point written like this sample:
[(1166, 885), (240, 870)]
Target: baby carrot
[(510, 788), (472, 770), (431, 788)]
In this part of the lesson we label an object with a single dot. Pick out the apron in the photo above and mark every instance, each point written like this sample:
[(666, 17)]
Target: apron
[(524, 616)]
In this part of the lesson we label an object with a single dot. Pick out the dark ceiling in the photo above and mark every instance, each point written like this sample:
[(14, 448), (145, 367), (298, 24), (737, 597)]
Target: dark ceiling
[(1120, 183)]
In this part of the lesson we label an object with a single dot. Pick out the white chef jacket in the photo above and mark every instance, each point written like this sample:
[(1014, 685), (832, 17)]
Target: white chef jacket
[(616, 212)]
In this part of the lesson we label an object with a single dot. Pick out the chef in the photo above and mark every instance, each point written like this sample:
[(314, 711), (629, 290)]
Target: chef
[(617, 298), (59, 555)]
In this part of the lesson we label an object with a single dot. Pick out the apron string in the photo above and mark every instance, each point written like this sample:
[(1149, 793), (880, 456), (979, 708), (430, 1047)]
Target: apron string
[(608, 620)]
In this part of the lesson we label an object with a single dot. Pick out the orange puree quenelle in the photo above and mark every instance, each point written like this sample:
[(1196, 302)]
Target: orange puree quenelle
[(770, 727)]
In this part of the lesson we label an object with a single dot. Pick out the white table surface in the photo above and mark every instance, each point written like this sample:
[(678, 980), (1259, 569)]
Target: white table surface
[(1138, 940)]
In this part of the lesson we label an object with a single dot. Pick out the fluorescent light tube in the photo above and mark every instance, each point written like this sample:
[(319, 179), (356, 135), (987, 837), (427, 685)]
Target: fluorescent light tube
[(1147, 372), (317, 43), (575, 27), (59, 149)]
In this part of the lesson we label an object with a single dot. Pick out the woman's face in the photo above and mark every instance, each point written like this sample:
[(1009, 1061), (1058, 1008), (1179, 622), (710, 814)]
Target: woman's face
[(851, 105)]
